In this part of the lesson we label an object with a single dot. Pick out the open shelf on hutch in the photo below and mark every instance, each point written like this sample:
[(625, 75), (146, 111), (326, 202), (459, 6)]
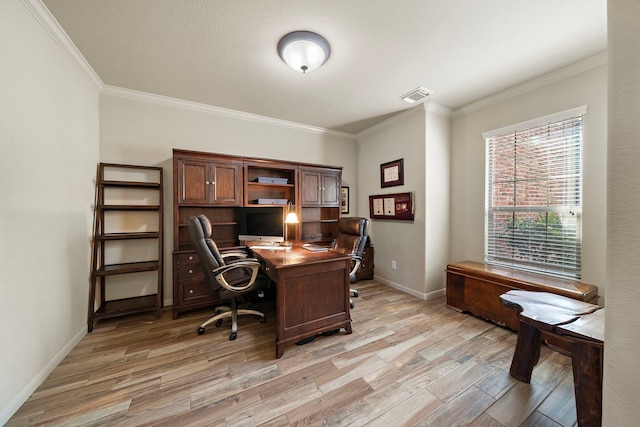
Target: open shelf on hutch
[(319, 224), (224, 224), (267, 184)]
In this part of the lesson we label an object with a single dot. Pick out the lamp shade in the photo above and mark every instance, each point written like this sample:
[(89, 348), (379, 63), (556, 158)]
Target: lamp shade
[(291, 218), (304, 51)]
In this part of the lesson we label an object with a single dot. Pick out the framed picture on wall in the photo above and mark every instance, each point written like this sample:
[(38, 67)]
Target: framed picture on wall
[(344, 200), (392, 173)]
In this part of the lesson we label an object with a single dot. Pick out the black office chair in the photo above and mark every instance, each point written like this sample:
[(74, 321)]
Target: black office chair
[(238, 276), (351, 240)]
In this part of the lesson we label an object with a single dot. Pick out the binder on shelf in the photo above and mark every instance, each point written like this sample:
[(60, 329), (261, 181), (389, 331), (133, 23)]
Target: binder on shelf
[(272, 201), (272, 180)]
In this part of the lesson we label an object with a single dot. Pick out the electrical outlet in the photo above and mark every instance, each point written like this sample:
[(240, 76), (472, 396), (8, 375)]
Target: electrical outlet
[(393, 265)]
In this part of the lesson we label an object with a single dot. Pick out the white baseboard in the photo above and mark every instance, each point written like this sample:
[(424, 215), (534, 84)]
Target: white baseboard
[(422, 295), (19, 400)]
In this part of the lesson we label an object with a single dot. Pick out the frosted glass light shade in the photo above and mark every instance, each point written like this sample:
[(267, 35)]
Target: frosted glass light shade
[(304, 51), (291, 218)]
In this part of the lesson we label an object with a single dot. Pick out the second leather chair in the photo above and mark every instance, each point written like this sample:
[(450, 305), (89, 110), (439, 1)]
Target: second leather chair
[(351, 240)]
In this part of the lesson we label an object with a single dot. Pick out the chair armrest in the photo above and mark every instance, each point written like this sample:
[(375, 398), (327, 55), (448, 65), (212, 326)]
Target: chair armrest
[(220, 272), (356, 261), (234, 254)]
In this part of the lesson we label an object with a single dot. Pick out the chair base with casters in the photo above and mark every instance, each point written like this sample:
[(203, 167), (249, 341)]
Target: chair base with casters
[(224, 312), (354, 294)]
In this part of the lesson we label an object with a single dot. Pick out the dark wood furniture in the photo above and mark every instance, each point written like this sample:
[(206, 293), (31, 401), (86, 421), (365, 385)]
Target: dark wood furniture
[(320, 204), (367, 266), (128, 200), (580, 325), (476, 288), (216, 185), (312, 292)]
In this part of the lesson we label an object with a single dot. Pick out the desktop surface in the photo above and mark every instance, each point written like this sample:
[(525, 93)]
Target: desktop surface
[(295, 255)]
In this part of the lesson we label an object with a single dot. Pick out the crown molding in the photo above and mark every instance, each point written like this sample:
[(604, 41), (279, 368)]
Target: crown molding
[(391, 120), (211, 109), (545, 79), (60, 38), (428, 107), (439, 109)]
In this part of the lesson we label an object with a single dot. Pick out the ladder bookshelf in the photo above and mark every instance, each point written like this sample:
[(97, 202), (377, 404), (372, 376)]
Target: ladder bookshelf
[(127, 240)]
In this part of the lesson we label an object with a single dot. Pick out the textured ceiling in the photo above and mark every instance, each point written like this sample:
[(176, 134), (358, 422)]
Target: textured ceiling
[(223, 52)]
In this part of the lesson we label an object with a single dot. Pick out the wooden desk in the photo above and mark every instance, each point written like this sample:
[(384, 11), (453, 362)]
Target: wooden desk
[(580, 325), (313, 292)]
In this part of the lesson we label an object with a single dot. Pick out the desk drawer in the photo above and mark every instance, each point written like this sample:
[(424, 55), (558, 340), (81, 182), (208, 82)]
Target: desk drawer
[(189, 273), (270, 271), (194, 293), (187, 258)]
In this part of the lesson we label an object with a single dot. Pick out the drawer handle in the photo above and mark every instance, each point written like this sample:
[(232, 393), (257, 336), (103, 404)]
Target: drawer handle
[(190, 271), (190, 291), (190, 257)]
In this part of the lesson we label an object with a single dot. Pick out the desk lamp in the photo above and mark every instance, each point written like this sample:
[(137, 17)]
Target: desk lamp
[(291, 218)]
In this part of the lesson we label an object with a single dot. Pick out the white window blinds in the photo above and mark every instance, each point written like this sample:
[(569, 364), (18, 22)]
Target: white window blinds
[(534, 196)]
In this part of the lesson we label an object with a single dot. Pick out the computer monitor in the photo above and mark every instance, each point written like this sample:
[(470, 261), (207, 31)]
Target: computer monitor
[(264, 224)]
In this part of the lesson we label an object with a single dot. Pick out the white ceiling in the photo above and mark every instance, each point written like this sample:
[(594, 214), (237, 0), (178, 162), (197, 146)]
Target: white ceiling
[(223, 52)]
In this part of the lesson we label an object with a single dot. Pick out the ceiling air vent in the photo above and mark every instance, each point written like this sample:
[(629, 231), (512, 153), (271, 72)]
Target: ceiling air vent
[(418, 94)]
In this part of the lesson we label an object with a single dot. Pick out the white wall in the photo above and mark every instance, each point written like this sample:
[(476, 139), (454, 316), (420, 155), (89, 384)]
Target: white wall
[(49, 137), (421, 138), (622, 336), (468, 157), (138, 128), (437, 199)]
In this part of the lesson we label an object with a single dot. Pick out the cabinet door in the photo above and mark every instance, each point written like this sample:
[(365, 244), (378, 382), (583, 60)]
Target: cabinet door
[(311, 188), (194, 182), (330, 189), (226, 179)]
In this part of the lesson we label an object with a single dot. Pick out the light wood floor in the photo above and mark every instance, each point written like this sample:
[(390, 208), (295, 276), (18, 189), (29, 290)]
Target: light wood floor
[(408, 362)]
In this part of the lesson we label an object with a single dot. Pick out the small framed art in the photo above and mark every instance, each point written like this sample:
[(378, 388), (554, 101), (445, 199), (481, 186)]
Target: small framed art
[(392, 173), (344, 200)]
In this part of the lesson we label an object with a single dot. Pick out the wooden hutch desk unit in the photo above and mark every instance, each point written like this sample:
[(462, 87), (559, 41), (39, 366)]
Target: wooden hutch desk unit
[(217, 185)]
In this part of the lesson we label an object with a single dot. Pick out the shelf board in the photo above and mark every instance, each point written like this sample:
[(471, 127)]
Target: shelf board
[(315, 237), (131, 184), (129, 207), (128, 236), (257, 205), (217, 224), (128, 267), (146, 303), (268, 184)]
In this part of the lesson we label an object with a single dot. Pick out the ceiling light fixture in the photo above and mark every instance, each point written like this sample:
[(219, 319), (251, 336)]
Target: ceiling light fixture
[(304, 51), (418, 94)]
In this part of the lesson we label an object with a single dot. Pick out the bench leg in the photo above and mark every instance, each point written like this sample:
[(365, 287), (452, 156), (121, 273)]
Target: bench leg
[(526, 354), (587, 361)]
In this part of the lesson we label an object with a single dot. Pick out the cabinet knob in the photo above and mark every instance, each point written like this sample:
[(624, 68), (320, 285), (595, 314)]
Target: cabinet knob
[(190, 271), (190, 257), (190, 291)]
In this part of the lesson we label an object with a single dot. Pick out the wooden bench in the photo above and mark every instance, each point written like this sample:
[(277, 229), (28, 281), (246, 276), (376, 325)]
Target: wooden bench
[(580, 325), (476, 288)]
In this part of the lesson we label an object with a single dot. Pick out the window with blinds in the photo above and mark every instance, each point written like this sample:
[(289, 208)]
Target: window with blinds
[(534, 195)]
